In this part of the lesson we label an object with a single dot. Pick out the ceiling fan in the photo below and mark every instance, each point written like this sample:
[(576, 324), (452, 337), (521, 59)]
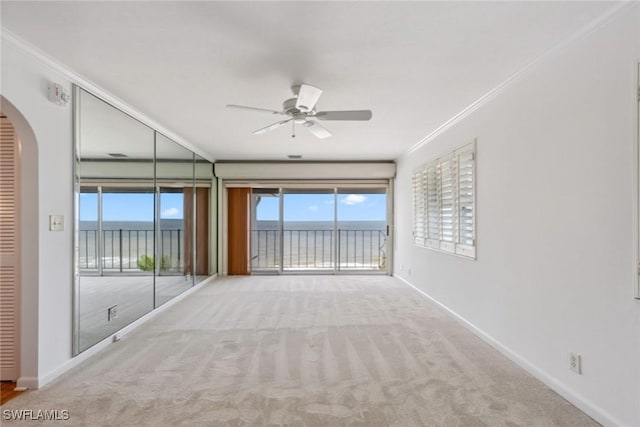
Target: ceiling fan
[(301, 110)]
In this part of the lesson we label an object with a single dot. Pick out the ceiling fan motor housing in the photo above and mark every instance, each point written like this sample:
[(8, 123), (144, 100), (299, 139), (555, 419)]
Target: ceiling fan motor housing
[(289, 108)]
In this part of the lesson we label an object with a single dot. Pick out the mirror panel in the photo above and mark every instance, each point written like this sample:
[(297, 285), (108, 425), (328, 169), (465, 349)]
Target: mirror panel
[(142, 220), (115, 241), (174, 179), (204, 195)]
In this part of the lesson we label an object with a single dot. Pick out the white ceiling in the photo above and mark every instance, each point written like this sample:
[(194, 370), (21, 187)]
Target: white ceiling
[(414, 64)]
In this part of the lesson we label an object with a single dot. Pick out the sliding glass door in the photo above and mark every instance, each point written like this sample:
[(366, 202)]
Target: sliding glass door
[(265, 230), (320, 230), (308, 230), (362, 229)]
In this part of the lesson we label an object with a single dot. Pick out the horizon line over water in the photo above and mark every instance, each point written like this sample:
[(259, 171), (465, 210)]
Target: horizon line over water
[(165, 223), (322, 225), (176, 224)]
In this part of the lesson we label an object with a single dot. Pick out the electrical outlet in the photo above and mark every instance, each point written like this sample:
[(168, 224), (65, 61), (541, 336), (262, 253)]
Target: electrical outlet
[(575, 363), (112, 313)]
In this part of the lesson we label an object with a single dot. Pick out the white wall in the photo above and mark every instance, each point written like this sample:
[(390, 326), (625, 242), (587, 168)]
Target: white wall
[(24, 84), (555, 223), (47, 288)]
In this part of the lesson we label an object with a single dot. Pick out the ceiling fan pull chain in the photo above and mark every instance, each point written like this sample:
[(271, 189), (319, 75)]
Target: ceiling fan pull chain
[(293, 130)]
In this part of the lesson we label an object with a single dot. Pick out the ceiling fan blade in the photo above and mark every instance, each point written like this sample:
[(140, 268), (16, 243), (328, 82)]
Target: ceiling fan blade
[(263, 110), (271, 126), (307, 97), (316, 129), (344, 115)]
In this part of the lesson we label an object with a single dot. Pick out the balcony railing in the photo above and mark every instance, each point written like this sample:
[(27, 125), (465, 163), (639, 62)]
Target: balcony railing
[(125, 250), (130, 250), (306, 249)]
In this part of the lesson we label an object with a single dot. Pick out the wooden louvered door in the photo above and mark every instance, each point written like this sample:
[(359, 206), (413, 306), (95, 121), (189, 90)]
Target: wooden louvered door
[(9, 250)]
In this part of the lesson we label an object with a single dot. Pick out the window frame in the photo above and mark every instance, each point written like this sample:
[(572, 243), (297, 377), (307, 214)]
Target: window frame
[(428, 189)]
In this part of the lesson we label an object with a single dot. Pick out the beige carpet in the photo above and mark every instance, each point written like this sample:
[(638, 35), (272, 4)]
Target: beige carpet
[(301, 351)]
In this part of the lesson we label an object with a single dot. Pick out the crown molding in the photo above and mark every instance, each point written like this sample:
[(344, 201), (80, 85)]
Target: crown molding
[(95, 89), (518, 75)]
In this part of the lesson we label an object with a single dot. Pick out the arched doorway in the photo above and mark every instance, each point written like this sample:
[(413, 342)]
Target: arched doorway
[(9, 250), (21, 200)]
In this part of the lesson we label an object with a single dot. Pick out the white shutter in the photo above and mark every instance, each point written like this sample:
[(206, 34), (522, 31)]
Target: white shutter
[(8, 251), (433, 205), (447, 203), (466, 201), (419, 220), (444, 203)]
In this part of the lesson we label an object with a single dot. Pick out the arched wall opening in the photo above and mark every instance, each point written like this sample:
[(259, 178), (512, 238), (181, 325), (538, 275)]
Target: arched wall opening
[(29, 271)]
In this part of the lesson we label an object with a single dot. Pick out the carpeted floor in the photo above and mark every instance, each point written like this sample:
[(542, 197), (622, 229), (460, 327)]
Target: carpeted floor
[(301, 351)]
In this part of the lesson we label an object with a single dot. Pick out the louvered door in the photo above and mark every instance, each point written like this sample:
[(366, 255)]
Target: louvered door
[(9, 277)]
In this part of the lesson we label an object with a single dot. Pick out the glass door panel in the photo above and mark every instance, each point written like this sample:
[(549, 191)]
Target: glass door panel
[(88, 242), (265, 230), (171, 233), (308, 230), (362, 229), (127, 231)]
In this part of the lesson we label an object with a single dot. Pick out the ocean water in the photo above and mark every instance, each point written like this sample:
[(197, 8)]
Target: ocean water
[(125, 242), (315, 245), (303, 245), (322, 225), (165, 224)]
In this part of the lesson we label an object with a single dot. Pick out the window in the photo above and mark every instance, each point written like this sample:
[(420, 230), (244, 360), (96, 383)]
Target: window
[(444, 203)]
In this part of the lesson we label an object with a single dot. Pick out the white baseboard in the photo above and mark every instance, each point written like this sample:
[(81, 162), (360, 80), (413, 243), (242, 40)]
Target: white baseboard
[(34, 383), (585, 405), (30, 383)]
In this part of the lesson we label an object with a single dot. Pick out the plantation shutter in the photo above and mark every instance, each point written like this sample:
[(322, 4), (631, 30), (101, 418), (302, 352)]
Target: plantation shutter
[(447, 204), (419, 220), (444, 203), (433, 205), (466, 201)]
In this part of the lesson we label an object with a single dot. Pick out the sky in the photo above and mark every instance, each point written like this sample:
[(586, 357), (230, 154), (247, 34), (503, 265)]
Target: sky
[(321, 207), (297, 207), (130, 206)]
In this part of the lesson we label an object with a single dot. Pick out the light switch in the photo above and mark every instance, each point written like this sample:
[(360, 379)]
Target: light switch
[(56, 222)]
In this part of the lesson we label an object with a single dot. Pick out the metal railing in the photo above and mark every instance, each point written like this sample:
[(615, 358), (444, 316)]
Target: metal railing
[(126, 250), (317, 249), (302, 249)]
